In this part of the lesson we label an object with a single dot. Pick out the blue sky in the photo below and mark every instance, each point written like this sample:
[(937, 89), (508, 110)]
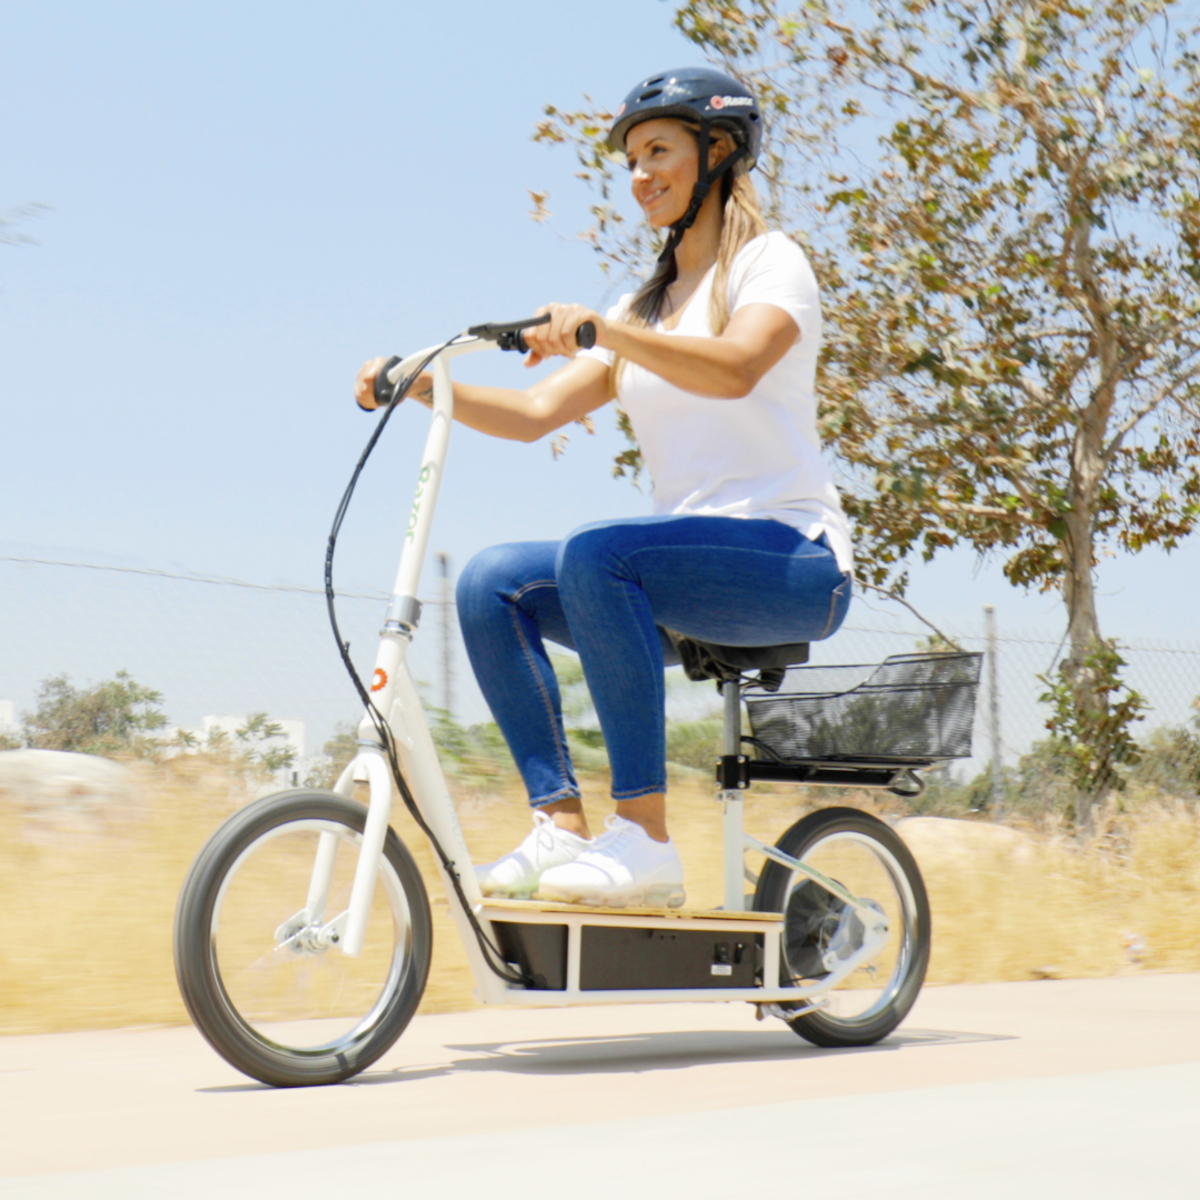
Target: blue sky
[(248, 200)]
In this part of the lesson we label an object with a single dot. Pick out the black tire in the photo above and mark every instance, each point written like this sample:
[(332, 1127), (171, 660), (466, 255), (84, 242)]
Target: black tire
[(236, 1034), (809, 909)]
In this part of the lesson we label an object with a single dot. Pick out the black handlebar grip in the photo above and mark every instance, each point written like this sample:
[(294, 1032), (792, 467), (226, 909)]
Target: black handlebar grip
[(585, 338), (383, 389)]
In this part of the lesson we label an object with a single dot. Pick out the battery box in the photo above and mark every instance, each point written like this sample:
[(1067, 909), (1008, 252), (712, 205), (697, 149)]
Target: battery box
[(625, 958), (539, 950)]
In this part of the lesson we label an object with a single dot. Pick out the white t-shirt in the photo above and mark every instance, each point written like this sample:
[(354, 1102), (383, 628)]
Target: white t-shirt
[(759, 456)]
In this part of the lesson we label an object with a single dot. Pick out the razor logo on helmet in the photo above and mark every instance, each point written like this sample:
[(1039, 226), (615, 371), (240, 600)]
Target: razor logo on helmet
[(731, 102)]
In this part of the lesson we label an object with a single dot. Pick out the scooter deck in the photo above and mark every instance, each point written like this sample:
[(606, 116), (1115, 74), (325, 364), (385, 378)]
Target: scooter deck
[(682, 914)]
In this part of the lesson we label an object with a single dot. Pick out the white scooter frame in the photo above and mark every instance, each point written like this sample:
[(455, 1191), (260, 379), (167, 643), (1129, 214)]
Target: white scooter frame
[(395, 697)]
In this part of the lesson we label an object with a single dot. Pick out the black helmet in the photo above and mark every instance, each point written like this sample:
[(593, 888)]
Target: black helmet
[(699, 94), (696, 92)]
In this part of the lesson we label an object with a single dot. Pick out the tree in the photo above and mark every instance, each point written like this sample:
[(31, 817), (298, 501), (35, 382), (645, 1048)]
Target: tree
[(254, 750), (259, 740), (11, 221), (113, 717), (1094, 742), (1002, 203), (338, 751)]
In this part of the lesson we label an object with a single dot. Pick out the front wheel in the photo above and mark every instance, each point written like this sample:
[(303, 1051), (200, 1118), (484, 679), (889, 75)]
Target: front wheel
[(868, 859), (272, 993)]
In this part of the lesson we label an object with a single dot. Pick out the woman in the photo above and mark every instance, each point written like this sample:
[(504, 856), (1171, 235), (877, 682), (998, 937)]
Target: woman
[(713, 359)]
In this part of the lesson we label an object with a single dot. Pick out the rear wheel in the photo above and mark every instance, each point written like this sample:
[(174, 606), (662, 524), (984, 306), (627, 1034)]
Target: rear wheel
[(867, 858), (263, 978)]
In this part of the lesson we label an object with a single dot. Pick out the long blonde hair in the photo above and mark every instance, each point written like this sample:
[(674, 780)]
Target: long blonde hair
[(741, 222)]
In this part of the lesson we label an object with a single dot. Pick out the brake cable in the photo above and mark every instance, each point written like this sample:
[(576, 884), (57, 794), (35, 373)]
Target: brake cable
[(492, 955)]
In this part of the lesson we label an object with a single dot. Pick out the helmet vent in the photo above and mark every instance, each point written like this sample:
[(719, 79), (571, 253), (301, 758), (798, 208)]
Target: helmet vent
[(650, 94), (656, 79)]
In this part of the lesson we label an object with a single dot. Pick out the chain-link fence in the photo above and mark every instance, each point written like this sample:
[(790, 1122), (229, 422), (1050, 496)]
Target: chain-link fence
[(219, 647), (1165, 673), (1032, 777)]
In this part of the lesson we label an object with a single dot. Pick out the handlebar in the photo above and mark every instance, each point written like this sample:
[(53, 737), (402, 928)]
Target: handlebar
[(507, 336)]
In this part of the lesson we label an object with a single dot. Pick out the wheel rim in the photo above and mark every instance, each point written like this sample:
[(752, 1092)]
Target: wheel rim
[(873, 874), (296, 995)]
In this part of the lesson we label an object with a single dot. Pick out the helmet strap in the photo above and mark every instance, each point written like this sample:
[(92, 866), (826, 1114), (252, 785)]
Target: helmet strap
[(701, 188)]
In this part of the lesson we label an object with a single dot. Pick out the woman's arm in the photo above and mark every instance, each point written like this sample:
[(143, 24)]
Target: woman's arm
[(726, 367), (569, 393)]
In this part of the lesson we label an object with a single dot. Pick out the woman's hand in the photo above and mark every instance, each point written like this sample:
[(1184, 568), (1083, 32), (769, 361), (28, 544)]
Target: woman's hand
[(558, 337), (364, 385)]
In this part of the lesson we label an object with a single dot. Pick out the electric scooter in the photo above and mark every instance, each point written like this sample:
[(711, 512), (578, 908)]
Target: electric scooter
[(303, 932)]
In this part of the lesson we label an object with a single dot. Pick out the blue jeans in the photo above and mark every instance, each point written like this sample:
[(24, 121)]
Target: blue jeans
[(607, 592)]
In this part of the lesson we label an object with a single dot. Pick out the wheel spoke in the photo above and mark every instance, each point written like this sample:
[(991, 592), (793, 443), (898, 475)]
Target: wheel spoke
[(298, 993), (821, 932), (275, 997)]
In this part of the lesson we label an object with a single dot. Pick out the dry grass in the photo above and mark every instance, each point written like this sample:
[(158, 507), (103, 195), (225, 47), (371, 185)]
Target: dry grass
[(89, 908), (1014, 905)]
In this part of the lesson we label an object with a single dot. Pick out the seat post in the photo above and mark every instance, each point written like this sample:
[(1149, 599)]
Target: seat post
[(731, 802)]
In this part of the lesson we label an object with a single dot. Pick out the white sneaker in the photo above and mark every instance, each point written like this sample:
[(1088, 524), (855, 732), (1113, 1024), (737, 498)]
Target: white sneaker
[(517, 873), (624, 866)]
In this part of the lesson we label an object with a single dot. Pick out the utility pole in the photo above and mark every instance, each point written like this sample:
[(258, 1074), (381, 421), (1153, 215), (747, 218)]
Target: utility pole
[(997, 789), (447, 640)]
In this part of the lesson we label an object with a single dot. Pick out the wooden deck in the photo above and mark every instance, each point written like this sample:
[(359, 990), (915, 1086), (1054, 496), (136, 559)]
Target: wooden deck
[(496, 909)]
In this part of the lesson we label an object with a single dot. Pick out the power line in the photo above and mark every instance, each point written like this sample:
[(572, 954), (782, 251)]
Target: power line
[(195, 577), (228, 581)]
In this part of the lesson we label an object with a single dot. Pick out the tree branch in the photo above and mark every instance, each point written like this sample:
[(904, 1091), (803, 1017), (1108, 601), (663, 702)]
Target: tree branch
[(1131, 422), (891, 595), (982, 510)]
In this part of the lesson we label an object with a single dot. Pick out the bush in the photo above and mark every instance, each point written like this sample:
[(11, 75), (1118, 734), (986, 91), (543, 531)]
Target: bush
[(694, 743), (474, 754), (1041, 783), (110, 718)]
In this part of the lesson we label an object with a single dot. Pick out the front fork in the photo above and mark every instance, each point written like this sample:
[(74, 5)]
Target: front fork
[(348, 929), (395, 697)]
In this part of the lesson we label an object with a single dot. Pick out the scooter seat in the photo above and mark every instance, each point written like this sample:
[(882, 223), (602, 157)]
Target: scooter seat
[(709, 660)]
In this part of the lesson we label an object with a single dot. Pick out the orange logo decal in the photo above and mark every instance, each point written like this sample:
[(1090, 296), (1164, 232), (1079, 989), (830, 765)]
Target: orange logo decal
[(380, 679)]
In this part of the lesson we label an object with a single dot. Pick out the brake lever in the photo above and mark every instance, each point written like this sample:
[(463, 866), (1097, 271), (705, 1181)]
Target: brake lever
[(497, 330)]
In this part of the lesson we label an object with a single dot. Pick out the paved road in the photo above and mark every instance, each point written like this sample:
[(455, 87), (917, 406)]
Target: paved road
[(1087, 1088)]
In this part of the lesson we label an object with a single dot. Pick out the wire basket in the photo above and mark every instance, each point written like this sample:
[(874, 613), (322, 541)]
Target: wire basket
[(912, 707)]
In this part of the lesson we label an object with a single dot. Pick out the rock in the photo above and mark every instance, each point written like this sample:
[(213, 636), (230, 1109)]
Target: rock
[(1135, 947), (54, 786), (1049, 971), (958, 843)]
